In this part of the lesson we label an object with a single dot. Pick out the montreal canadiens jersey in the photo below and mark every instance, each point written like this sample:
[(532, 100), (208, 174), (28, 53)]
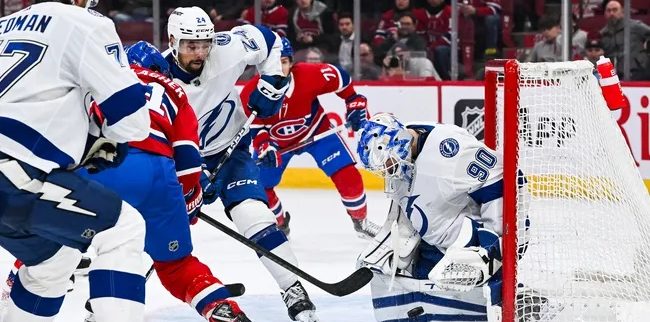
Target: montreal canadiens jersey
[(173, 130), (212, 94), (455, 176), (301, 115), (53, 58)]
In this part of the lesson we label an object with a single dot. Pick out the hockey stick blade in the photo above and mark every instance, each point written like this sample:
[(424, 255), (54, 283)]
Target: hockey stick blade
[(349, 285)]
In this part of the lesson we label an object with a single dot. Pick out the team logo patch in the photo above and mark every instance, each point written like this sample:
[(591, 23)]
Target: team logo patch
[(289, 129), (222, 39), (449, 147)]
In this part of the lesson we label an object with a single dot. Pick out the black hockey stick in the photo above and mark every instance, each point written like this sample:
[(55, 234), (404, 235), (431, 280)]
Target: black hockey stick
[(349, 285)]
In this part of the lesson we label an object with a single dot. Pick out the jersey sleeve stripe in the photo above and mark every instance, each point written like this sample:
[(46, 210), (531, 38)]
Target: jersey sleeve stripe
[(344, 77), (269, 38), (187, 171), (160, 139), (186, 157), (488, 193), (34, 141), (172, 110), (185, 142), (123, 103)]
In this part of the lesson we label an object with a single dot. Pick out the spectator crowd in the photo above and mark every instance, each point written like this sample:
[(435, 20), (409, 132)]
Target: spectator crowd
[(410, 39)]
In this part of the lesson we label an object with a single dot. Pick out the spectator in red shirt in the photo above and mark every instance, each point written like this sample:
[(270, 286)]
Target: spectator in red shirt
[(439, 38), (387, 27), (312, 24), (274, 16), (489, 11)]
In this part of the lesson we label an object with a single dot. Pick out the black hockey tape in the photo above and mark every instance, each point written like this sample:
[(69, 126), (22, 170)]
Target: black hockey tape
[(236, 289), (415, 312)]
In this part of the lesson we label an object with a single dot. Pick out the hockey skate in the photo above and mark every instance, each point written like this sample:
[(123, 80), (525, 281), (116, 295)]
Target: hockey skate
[(226, 311), (284, 225), (365, 229), (298, 303)]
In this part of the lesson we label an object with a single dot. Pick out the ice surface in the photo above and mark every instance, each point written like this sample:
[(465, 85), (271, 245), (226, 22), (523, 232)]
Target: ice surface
[(324, 242)]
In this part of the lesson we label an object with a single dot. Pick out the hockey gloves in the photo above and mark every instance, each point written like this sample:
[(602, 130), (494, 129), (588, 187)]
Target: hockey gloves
[(210, 189), (357, 110), (193, 203), (268, 154), (104, 154), (267, 98)]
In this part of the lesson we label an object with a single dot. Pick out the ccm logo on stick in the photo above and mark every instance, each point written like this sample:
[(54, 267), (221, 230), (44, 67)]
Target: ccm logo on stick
[(240, 183)]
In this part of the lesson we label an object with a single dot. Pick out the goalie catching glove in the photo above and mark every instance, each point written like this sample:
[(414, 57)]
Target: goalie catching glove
[(464, 268)]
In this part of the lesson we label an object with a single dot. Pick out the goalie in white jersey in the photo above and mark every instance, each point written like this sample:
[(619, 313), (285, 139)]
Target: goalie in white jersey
[(52, 57), (446, 189), (207, 66)]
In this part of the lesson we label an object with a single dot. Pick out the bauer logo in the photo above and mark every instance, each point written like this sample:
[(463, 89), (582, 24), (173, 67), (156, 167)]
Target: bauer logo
[(468, 114), (240, 183), (449, 147)]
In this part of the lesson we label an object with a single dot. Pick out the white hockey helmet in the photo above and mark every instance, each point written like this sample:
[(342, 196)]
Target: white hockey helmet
[(385, 146), (88, 4), (190, 23)]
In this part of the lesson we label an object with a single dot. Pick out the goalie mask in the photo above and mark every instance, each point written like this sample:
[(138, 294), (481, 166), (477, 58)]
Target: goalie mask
[(385, 146), (189, 23)]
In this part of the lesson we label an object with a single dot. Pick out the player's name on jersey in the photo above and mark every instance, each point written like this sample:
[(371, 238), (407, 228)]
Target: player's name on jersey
[(27, 22), (167, 81)]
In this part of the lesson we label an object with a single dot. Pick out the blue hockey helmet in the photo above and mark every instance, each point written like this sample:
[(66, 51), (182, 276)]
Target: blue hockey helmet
[(385, 146), (146, 55), (287, 50)]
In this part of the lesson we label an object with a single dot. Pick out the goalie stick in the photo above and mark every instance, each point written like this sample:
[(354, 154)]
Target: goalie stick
[(349, 285)]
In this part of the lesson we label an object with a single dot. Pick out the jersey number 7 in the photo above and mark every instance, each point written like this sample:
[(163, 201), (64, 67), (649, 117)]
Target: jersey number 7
[(30, 54)]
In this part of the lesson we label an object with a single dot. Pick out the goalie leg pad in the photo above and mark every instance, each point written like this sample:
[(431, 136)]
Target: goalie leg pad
[(396, 304), (255, 221)]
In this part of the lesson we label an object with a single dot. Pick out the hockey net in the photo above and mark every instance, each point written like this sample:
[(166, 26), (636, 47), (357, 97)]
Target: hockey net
[(576, 241)]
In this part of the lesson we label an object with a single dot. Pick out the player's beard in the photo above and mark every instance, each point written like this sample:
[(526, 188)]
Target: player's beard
[(195, 66)]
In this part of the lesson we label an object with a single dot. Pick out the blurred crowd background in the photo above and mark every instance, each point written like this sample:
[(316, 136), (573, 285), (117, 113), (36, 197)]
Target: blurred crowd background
[(410, 39)]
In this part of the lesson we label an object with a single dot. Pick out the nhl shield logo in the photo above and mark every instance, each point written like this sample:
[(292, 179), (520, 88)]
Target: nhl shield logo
[(173, 245), (468, 114)]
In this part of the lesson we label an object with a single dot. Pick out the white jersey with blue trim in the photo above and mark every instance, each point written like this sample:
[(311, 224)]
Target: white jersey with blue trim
[(212, 94), (53, 58), (455, 176)]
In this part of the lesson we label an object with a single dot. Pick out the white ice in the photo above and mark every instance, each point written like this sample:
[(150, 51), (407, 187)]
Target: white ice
[(324, 242)]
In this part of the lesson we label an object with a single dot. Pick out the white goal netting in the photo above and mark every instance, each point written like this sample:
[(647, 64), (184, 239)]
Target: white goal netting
[(588, 254)]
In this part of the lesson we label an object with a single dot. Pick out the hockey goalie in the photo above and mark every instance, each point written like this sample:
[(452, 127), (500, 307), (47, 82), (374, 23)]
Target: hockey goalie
[(438, 255)]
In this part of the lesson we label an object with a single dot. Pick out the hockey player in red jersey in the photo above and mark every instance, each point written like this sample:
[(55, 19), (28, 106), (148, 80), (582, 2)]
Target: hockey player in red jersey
[(302, 117), (160, 178)]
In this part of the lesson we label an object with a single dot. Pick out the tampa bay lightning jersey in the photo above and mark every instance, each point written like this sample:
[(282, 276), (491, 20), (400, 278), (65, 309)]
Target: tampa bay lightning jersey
[(455, 176), (53, 58), (212, 94)]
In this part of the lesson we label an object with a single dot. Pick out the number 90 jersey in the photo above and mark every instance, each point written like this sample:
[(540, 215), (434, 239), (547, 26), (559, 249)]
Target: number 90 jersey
[(455, 176), (53, 57), (213, 95)]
